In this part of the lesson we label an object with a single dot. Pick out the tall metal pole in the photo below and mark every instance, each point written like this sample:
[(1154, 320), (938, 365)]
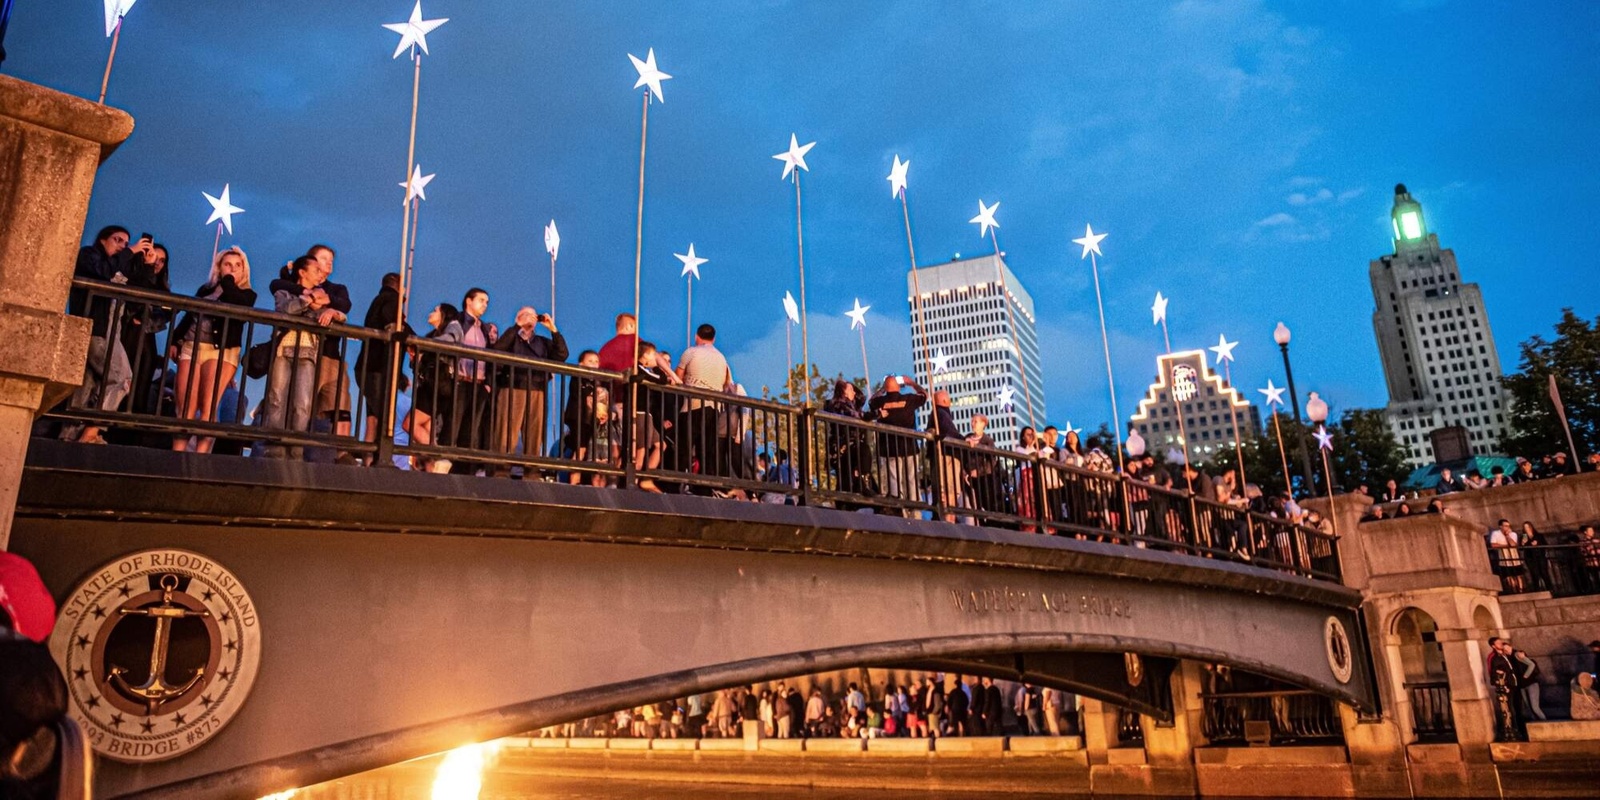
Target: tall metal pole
[(805, 335), (1105, 342), (1011, 322), (1300, 432), (916, 292), (407, 246), (116, 33)]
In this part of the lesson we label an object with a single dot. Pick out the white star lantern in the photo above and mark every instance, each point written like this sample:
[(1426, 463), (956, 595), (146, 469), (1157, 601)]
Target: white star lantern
[(1071, 430), (939, 362), (222, 208), (552, 239), (1324, 439), (1224, 349), (413, 31), (1007, 395), (795, 156), (1090, 242), (897, 177), (416, 184), (858, 315), (985, 218), (1158, 312), (649, 75), (691, 262), (1274, 394), (115, 11), (790, 308)]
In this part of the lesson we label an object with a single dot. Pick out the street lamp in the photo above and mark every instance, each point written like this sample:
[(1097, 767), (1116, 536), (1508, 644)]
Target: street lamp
[(1281, 336), (1135, 444), (1317, 410)]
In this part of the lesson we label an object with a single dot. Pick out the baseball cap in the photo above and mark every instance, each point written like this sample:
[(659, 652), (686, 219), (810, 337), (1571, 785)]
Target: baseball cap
[(24, 600)]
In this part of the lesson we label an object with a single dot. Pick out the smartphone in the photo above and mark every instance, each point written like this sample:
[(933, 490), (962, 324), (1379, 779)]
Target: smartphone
[(145, 237)]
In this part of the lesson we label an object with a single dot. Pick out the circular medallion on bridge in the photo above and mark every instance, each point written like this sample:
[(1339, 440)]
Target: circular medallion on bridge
[(160, 648), (1340, 657)]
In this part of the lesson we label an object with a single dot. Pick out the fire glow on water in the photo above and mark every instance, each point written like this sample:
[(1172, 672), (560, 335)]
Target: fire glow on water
[(460, 775)]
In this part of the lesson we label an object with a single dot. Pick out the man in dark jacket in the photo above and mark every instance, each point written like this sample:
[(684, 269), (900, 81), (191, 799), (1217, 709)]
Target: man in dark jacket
[(956, 705), (994, 708), (519, 412), (372, 367), (333, 384), (107, 375)]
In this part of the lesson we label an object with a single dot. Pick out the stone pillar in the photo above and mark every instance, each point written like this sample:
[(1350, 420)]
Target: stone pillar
[(51, 145)]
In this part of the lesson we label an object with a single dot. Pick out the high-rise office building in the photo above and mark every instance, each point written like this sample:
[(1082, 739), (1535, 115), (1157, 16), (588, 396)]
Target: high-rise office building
[(1185, 378), (966, 321), (1439, 359)]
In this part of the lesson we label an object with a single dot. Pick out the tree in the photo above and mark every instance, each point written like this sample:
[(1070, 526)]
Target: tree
[(1262, 465), (1366, 452), (1574, 358)]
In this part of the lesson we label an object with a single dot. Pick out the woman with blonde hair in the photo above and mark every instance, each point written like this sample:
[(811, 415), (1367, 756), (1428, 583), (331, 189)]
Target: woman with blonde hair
[(206, 346)]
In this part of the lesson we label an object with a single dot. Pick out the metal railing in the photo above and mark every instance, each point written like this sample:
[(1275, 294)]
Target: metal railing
[(1563, 570), (473, 409), (1432, 720), (1294, 717), (1130, 729)]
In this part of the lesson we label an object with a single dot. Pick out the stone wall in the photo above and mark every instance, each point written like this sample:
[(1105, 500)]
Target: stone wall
[(1556, 633), (1555, 504)]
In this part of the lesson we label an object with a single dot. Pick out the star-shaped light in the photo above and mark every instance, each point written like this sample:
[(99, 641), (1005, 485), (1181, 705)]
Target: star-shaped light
[(1090, 242), (1158, 312), (691, 262), (222, 208), (1274, 394), (649, 75), (414, 187), (552, 239), (790, 308), (939, 362), (1224, 349), (115, 11), (985, 218), (897, 176), (1324, 439), (413, 31), (1007, 395), (795, 156), (858, 315), (1069, 430)]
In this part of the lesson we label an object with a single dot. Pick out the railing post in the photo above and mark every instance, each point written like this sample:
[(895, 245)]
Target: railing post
[(384, 436), (940, 509), (630, 402), (1041, 497), (805, 421)]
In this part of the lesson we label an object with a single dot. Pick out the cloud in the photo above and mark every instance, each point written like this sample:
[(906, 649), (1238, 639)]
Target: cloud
[(1302, 199), (1277, 220), (835, 349)]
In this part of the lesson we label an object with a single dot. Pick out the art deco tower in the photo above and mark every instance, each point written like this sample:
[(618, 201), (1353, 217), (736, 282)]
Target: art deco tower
[(1433, 335)]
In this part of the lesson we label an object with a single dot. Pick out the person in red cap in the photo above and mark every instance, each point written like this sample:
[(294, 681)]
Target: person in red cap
[(33, 694)]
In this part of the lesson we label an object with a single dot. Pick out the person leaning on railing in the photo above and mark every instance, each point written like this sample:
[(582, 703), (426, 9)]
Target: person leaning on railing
[(897, 452), (141, 322), (206, 346), (848, 452), (432, 391), (107, 375), (952, 477), (372, 366), (292, 378)]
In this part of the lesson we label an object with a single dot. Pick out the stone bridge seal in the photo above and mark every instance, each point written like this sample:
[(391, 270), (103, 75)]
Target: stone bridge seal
[(159, 648), (1340, 658)]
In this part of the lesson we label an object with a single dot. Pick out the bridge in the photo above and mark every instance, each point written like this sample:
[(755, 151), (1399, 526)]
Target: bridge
[(402, 614)]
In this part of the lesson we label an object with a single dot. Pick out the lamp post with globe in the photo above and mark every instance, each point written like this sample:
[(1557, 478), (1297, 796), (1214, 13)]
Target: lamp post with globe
[(1317, 410), (1281, 336)]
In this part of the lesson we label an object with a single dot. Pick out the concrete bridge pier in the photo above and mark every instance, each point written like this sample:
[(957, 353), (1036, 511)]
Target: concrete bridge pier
[(51, 144)]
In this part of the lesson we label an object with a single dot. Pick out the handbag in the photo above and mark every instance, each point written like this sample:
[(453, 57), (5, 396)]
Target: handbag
[(258, 361)]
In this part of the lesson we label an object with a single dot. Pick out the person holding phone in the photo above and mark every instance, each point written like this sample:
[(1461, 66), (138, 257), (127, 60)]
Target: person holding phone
[(520, 413), (107, 375), (897, 453)]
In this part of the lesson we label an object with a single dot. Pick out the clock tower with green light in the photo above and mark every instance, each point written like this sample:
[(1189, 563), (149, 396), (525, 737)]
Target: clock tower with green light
[(1439, 358)]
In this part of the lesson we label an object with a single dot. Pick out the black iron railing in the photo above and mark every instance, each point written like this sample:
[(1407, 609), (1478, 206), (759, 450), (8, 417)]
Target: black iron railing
[(1292, 717), (1432, 719), (1563, 570), (471, 410)]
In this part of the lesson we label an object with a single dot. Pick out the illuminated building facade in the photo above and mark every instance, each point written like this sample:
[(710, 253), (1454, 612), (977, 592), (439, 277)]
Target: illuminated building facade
[(1205, 398), (966, 320)]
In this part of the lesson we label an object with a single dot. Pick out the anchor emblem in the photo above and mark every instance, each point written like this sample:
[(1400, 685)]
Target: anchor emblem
[(155, 690)]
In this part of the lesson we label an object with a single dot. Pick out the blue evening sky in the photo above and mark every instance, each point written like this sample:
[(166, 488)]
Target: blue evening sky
[(1240, 154)]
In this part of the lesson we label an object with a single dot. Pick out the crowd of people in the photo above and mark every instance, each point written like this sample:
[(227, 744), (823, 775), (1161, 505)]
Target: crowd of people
[(1529, 561), (931, 706), (1515, 689), (459, 402)]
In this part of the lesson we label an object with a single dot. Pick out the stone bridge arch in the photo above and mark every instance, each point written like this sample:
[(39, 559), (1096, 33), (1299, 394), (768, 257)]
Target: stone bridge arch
[(405, 614)]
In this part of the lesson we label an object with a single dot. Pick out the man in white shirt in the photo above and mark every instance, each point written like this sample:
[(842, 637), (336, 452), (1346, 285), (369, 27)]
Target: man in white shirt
[(703, 367)]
